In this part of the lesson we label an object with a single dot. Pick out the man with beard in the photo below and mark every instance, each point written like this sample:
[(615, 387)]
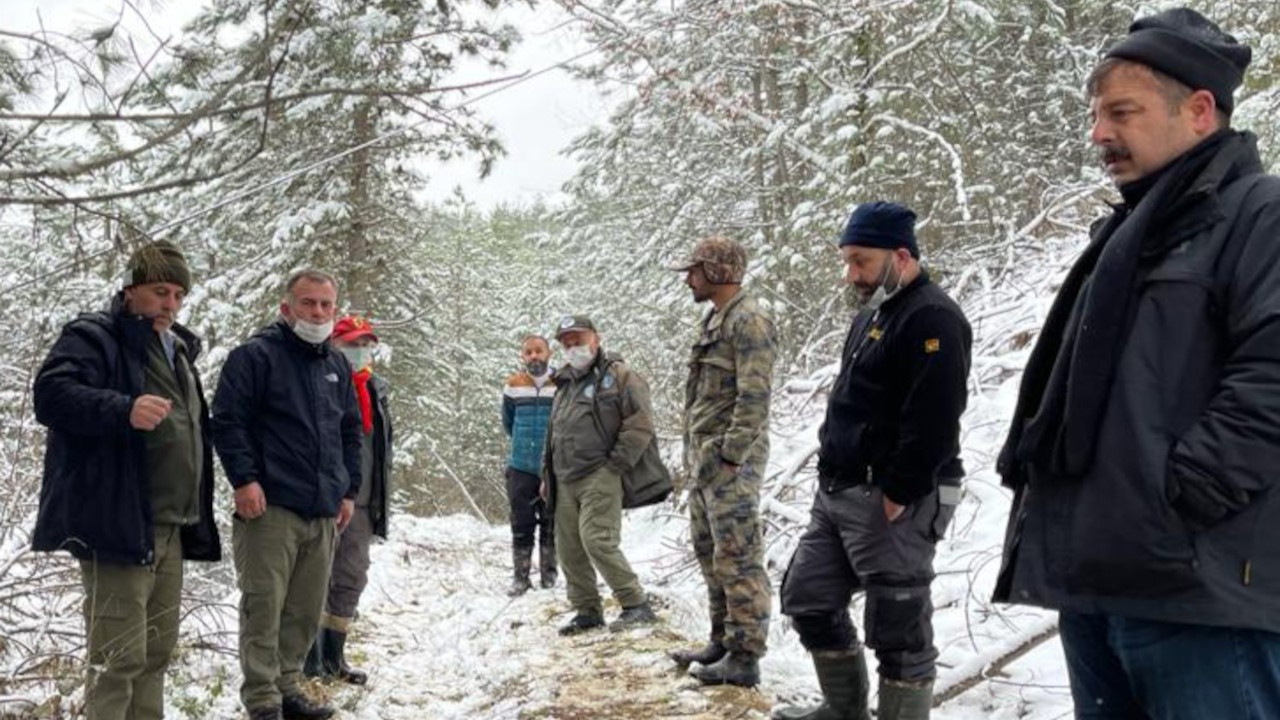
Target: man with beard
[(889, 477), (726, 438), (526, 410), (288, 429), (1145, 441), (128, 477)]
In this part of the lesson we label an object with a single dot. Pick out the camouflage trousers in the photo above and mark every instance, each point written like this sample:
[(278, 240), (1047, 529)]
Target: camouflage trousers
[(728, 540)]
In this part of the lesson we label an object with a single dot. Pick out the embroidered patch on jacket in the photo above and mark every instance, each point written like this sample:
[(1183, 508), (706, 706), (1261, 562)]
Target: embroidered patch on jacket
[(875, 333), (932, 345)]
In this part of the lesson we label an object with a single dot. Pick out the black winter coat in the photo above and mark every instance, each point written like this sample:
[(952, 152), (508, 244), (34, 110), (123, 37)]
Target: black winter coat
[(95, 500), (1174, 519), (285, 414), (893, 419), (383, 434)]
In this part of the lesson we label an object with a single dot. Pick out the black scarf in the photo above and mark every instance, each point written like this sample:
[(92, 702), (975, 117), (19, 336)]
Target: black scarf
[(1069, 374)]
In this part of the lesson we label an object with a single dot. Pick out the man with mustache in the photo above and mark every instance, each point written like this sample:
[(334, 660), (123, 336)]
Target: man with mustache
[(889, 475), (128, 477), (1144, 445)]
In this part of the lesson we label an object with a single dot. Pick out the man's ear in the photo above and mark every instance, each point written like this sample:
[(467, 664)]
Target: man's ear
[(1203, 109)]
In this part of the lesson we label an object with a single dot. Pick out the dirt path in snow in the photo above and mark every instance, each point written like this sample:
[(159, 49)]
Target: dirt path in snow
[(441, 640)]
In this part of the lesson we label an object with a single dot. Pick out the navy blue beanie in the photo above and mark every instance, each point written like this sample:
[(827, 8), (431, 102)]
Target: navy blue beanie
[(884, 225)]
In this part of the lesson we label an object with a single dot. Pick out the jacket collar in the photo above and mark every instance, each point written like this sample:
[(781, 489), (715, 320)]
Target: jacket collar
[(715, 318), (918, 282), (135, 328)]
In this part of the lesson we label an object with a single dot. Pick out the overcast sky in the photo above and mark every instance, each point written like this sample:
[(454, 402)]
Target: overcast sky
[(535, 119)]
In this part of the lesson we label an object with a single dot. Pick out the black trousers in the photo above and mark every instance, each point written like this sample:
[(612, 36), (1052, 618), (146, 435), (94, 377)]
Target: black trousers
[(529, 516)]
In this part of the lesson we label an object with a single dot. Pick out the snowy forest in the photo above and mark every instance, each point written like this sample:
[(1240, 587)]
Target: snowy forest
[(265, 136)]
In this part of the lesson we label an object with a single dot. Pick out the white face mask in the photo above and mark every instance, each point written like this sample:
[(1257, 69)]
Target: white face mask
[(314, 333), (886, 288), (580, 356), (360, 357)]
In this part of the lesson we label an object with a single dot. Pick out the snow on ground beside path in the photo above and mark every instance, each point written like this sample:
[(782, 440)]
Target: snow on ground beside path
[(441, 640)]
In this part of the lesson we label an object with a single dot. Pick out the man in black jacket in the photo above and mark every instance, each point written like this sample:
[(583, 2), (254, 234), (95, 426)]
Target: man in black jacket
[(128, 477), (1144, 447), (288, 429), (889, 476)]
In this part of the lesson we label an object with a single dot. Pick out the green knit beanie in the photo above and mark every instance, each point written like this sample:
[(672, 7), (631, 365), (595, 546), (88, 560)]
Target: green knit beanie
[(158, 261)]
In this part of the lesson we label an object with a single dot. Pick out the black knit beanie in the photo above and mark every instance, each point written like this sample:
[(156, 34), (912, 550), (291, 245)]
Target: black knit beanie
[(1188, 47)]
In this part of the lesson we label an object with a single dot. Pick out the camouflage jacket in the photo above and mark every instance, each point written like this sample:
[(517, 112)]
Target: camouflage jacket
[(726, 415), (601, 416)]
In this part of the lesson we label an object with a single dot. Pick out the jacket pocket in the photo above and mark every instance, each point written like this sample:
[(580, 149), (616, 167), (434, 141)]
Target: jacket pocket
[(1201, 499), (1180, 329), (716, 377), (841, 454)]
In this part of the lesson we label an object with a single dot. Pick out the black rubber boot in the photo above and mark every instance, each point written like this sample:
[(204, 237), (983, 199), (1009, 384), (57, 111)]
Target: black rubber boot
[(705, 655), (333, 645), (901, 700), (842, 675), (265, 713), (521, 563), (547, 563), (735, 668), (312, 667)]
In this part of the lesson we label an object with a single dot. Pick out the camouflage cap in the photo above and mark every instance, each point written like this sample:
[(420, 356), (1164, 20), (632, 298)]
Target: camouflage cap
[(723, 261), (574, 323)]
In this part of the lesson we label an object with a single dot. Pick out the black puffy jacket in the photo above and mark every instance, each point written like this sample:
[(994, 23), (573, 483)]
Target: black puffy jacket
[(1173, 520), (95, 500), (285, 414)]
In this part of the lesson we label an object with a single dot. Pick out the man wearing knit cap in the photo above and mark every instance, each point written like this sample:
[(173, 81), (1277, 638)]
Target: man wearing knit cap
[(128, 477), (354, 338), (889, 475), (1144, 445)]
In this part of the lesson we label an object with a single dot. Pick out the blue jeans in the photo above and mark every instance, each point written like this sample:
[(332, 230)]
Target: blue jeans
[(1124, 668)]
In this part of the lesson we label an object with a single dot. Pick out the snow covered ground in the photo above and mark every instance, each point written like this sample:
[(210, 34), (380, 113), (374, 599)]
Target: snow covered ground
[(441, 640)]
